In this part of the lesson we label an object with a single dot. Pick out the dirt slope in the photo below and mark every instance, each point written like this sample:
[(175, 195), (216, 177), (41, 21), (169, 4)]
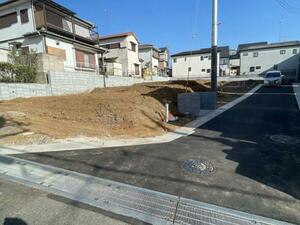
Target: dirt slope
[(135, 111)]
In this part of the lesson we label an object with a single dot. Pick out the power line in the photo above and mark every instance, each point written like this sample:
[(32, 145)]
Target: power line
[(288, 7)]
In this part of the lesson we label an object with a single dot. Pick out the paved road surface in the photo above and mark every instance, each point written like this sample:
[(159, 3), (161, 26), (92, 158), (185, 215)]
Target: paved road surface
[(251, 173)]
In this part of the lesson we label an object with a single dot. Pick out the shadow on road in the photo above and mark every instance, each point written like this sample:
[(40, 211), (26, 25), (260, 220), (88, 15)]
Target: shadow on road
[(14, 221)]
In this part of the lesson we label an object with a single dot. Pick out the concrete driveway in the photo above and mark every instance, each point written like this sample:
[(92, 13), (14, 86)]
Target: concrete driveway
[(249, 159)]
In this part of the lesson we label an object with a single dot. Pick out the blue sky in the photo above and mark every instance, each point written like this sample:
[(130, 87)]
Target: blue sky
[(181, 25)]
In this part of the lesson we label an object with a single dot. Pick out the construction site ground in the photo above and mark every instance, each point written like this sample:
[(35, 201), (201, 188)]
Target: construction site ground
[(122, 112)]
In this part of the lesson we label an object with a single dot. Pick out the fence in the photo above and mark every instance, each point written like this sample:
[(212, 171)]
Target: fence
[(61, 83)]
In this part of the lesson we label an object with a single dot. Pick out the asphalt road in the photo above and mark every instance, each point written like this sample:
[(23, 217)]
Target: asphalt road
[(251, 172)]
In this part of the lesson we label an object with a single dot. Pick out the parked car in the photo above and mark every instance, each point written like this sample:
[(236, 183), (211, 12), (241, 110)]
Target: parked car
[(273, 78)]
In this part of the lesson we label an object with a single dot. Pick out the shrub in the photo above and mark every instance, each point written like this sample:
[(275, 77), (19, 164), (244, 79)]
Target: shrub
[(22, 67), (6, 72)]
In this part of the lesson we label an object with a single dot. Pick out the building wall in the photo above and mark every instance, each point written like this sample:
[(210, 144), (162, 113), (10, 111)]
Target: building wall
[(70, 60), (133, 57), (124, 55), (266, 60), (149, 61), (198, 68), (3, 55), (17, 30)]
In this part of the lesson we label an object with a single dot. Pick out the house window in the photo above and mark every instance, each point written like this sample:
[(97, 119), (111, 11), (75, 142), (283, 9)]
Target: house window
[(190, 69), (258, 67), (295, 51), (174, 60), (203, 70), (185, 59), (8, 20), (201, 58), (245, 54), (24, 16), (133, 46), (282, 52), (113, 46), (208, 70), (85, 59), (252, 69), (255, 54), (209, 57)]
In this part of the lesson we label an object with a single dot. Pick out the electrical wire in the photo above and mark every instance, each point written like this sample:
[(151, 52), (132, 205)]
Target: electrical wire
[(288, 7)]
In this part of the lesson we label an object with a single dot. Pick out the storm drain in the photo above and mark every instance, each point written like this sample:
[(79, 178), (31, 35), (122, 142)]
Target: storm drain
[(138, 203), (198, 166), (284, 139)]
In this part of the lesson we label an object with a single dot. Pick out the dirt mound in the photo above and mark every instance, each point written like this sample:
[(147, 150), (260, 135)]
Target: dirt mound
[(136, 111)]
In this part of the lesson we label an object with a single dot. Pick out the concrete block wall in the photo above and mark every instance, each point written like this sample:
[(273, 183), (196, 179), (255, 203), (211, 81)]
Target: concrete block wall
[(189, 103), (17, 90), (65, 83)]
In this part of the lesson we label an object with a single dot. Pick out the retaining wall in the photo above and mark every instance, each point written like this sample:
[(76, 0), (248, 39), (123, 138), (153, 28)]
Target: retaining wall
[(61, 83)]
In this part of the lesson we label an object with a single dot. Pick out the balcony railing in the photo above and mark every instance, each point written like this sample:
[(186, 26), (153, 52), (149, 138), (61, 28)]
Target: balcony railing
[(65, 25)]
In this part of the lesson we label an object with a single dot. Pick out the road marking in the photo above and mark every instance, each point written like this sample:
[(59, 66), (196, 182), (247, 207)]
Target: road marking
[(130, 201), (297, 93)]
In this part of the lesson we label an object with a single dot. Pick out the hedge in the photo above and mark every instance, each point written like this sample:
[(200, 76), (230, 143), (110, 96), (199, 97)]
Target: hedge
[(11, 73)]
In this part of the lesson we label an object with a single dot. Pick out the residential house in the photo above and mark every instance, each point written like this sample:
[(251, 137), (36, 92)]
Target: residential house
[(122, 55), (164, 59), (258, 58), (149, 55), (64, 41), (234, 63), (197, 63)]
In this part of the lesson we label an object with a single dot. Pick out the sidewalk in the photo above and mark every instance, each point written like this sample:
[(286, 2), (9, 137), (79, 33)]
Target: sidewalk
[(26, 206)]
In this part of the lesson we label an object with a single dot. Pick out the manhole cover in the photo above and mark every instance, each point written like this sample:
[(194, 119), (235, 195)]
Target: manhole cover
[(198, 166), (284, 139)]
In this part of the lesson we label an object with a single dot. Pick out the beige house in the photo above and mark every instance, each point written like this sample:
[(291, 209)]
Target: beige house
[(122, 54)]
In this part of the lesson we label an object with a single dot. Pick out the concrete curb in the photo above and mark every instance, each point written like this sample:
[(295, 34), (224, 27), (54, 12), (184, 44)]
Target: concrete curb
[(82, 143), (297, 93)]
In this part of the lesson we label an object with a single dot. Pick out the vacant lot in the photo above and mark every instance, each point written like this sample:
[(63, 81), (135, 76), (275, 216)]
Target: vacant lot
[(135, 111)]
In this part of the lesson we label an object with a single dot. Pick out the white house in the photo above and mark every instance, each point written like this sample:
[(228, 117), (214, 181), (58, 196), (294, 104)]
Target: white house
[(258, 58), (149, 55), (62, 39), (122, 55), (198, 63)]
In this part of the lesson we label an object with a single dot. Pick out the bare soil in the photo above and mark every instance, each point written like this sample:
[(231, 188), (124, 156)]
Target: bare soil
[(127, 112)]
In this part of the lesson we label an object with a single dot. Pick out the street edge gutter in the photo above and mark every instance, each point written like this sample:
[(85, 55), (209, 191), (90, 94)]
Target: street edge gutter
[(27, 179), (297, 93), (94, 143)]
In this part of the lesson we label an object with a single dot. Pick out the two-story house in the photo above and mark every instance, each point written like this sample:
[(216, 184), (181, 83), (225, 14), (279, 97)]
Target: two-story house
[(122, 54), (258, 58), (149, 55), (164, 58), (197, 63), (64, 41)]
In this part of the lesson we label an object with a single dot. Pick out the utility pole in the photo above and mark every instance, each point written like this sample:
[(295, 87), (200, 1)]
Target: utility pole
[(214, 48)]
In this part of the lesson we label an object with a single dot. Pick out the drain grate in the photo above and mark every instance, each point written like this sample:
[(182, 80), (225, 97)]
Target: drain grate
[(284, 139), (192, 214), (142, 204), (198, 166)]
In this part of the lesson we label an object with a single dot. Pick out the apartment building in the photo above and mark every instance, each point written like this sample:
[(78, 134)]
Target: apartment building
[(64, 41), (149, 55), (122, 54), (197, 63), (258, 58)]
